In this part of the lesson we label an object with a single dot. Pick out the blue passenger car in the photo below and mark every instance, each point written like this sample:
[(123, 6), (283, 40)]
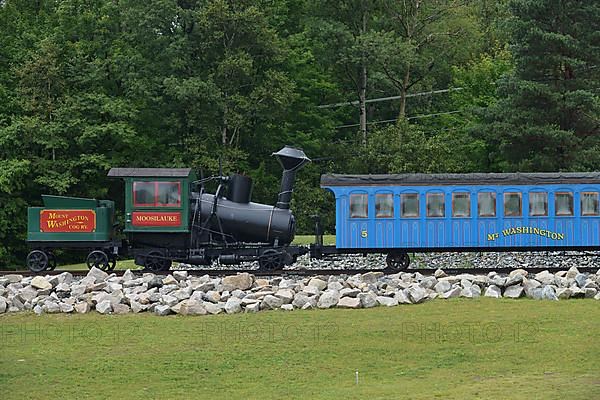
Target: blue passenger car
[(396, 214)]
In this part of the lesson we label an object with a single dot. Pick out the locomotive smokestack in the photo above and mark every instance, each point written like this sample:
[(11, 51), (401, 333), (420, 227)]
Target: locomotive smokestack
[(291, 159)]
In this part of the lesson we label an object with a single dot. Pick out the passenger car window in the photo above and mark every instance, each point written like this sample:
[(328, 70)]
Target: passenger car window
[(589, 203), (512, 204), (538, 204), (564, 203), (461, 205), (409, 205), (144, 194), (384, 205), (359, 206), (486, 204), (435, 205)]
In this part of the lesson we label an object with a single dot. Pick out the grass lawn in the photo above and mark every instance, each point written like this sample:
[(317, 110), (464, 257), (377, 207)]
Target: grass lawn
[(457, 349)]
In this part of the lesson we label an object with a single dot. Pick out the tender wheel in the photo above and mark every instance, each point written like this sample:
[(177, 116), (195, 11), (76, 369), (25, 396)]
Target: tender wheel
[(98, 259), (112, 262), (37, 261), (156, 262), (397, 261), (51, 262), (270, 260)]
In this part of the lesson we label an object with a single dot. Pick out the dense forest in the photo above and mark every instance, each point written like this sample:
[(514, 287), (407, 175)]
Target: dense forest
[(363, 86)]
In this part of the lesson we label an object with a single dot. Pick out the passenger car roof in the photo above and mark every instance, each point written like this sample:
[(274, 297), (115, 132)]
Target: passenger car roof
[(150, 172), (517, 178)]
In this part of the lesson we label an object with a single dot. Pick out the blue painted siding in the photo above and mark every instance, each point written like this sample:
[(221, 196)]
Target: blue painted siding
[(456, 232)]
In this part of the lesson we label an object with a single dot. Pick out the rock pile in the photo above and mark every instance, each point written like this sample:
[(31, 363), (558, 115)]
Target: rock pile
[(180, 293)]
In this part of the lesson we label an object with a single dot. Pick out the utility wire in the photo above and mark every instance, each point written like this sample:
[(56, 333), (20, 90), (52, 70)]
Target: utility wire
[(408, 118), (356, 102)]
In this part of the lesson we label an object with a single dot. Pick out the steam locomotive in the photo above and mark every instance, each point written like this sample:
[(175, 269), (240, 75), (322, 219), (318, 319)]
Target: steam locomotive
[(169, 217)]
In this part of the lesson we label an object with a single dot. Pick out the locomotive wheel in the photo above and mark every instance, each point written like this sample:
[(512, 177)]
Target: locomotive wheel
[(51, 262), (270, 260), (156, 262), (98, 259), (397, 261), (37, 261)]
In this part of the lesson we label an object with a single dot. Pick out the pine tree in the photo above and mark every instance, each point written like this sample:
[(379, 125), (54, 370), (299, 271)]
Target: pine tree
[(548, 118)]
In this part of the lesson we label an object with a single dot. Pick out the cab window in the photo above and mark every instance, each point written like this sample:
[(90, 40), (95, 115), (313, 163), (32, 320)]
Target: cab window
[(409, 205), (435, 205), (156, 194), (589, 203), (461, 205), (538, 204), (359, 206), (564, 203), (512, 204), (384, 205)]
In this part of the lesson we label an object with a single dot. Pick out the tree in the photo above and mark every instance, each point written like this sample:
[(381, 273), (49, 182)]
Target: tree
[(548, 119)]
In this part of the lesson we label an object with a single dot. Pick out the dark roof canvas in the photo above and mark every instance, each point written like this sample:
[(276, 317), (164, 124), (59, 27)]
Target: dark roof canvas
[(518, 178)]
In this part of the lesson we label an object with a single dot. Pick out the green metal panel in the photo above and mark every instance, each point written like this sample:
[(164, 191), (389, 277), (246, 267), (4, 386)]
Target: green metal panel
[(64, 202), (101, 228)]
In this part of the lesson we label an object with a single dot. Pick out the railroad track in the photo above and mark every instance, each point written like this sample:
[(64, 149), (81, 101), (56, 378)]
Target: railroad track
[(313, 272)]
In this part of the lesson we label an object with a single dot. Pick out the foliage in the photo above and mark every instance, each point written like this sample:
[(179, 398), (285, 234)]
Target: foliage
[(88, 85)]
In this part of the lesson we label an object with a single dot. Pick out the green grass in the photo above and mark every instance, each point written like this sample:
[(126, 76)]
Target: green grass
[(458, 349), (328, 240)]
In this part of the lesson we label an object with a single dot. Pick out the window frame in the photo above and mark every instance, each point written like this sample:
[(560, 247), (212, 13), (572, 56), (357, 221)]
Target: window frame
[(389, 195), (366, 195), (468, 202), (556, 213), (156, 204), (494, 198), (417, 195), (520, 195), (531, 209), (597, 194), (431, 194)]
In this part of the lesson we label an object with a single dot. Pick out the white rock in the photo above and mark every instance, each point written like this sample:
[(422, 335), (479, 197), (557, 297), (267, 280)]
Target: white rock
[(162, 310), (286, 295), (3, 305), (348, 302), (121, 309), (97, 274), (548, 293), (402, 297), (563, 293), (316, 283), (493, 291), (233, 305), (513, 292), (242, 281), (367, 300), (452, 293), (572, 273), (287, 307), (416, 294), (271, 302), (169, 280), (387, 301), (442, 286), (104, 307), (371, 277), (41, 283), (180, 275), (66, 308), (192, 307), (82, 307), (439, 273), (252, 308), (328, 299)]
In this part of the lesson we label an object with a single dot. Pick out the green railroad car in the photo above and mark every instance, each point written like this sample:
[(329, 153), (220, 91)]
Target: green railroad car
[(72, 223)]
